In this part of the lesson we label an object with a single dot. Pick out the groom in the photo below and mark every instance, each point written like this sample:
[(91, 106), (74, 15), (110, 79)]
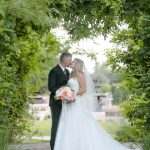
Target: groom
[(58, 77)]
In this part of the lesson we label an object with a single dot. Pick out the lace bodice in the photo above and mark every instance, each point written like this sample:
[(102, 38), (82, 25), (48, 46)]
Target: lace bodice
[(73, 84)]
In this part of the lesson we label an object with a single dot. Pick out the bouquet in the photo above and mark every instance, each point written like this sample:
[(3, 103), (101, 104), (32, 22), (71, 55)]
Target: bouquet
[(65, 94)]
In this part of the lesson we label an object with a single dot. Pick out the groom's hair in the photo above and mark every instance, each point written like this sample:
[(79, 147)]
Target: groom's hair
[(64, 55)]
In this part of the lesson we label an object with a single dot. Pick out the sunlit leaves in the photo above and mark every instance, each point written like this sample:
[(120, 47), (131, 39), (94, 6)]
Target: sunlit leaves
[(132, 54), (26, 44)]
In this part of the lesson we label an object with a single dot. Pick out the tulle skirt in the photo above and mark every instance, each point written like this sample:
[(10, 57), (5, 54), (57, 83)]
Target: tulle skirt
[(77, 130)]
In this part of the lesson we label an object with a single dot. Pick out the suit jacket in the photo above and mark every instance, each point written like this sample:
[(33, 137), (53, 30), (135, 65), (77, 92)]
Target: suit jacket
[(56, 79)]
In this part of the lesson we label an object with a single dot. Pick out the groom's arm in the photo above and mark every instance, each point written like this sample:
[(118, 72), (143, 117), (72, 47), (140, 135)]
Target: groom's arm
[(52, 81)]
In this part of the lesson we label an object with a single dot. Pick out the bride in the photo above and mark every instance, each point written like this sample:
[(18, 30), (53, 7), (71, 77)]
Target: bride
[(77, 129)]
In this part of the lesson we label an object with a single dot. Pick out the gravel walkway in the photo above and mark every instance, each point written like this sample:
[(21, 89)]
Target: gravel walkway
[(46, 146), (32, 146)]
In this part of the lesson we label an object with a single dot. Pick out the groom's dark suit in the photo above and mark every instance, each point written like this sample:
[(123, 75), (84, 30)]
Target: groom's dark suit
[(56, 79)]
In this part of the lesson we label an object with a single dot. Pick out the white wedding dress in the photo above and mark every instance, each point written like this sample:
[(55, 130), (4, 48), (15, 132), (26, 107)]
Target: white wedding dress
[(77, 129)]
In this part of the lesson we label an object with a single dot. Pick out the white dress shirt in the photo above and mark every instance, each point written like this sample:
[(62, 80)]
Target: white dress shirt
[(62, 67)]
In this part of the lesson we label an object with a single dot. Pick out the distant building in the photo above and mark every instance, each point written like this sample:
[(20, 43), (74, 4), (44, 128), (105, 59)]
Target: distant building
[(39, 107)]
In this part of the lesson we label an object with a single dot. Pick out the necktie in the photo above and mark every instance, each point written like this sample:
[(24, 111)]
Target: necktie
[(65, 71)]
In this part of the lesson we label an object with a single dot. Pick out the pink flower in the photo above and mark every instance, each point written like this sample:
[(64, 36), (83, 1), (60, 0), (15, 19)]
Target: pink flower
[(65, 94)]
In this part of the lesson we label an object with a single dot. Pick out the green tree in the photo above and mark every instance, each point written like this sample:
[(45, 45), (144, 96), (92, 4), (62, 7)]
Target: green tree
[(26, 48), (111, 82), (136, 65), (23, 25), (105, 87)]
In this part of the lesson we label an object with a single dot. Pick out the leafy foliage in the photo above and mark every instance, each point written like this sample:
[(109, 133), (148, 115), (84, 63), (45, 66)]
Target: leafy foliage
[(110, 82), (26, 47), (26, 42), (136, 65), (89, 18)]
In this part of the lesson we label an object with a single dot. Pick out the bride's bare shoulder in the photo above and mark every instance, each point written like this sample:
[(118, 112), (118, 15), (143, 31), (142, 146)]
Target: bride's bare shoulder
[(82, 82), (80, 74), (80, 77)]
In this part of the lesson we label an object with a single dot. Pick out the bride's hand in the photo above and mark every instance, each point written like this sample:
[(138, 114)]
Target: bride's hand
[(78, 94)]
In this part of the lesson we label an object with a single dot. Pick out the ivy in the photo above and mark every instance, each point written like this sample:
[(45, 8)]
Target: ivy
[(26, 48)]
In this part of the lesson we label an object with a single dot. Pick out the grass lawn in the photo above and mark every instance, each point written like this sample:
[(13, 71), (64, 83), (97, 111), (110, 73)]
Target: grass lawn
[(40, 128), (111, 126), (43, 128)]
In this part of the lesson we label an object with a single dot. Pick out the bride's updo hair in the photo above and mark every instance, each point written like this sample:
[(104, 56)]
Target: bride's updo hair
[(78, 67)]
